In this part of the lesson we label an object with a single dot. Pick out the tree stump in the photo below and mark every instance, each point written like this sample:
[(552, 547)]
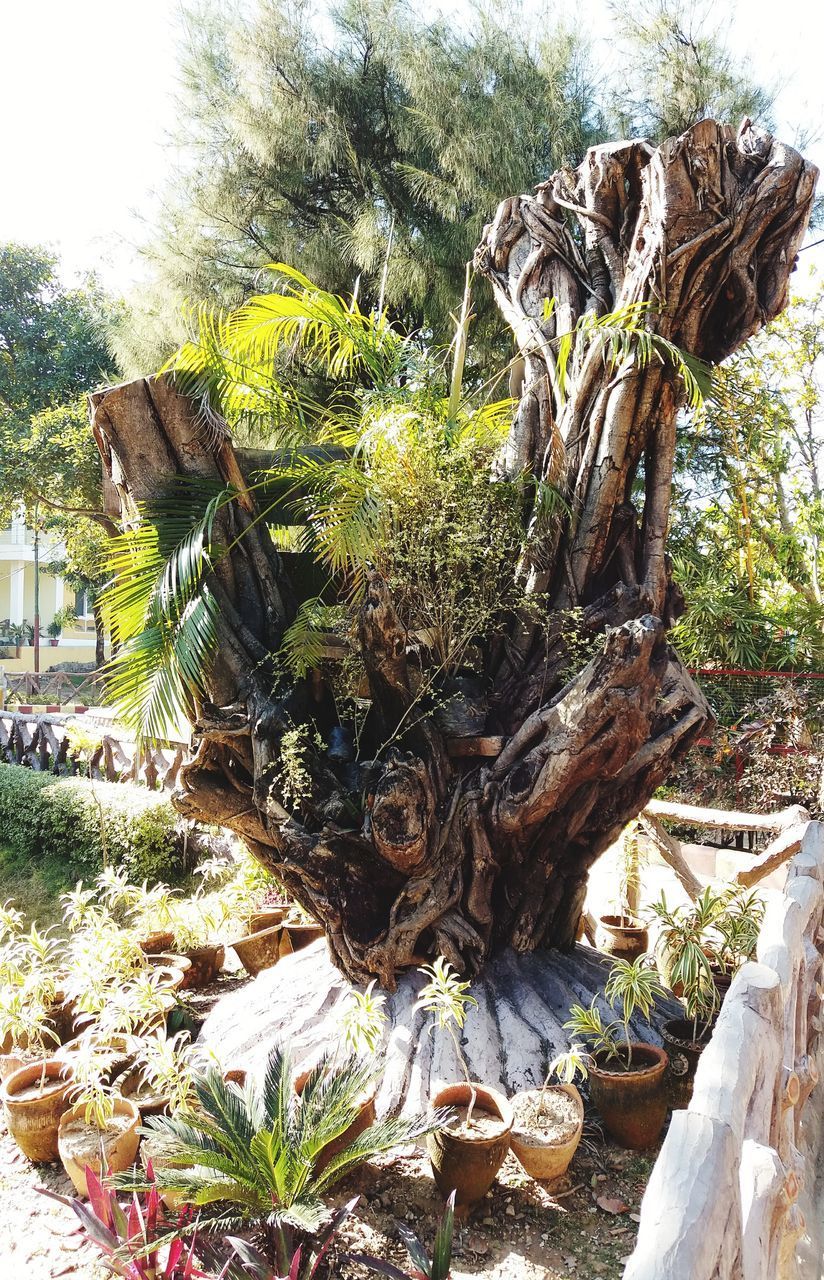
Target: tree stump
[(464, 856)]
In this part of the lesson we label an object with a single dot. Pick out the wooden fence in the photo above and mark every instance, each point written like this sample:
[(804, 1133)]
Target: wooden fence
[(80, 688), (47, 743), (723, 1199)]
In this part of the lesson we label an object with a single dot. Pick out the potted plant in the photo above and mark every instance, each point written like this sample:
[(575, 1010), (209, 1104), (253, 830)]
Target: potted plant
[(162, 1080), (54, 630), (625, 935), (627, 1079), (686, 951), (466, 1153), (549, 1121), (735, 932), (34, 1098), (251, 1154), (362, 1023), (32, 1017), (151, 913), (99, 1131), (194, 923)]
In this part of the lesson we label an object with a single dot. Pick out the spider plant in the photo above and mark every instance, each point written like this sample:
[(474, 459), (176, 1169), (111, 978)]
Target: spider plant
[(448, 999), (169, 1065), (250, 1156), (363, 1021), (684, 946), (735, 930), (634, 986), (92, 1087)]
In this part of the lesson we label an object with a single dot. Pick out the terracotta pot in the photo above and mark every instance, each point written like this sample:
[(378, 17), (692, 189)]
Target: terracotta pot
[(133, 1086), (363, 1120), (684, 1053), (303, 935), (468, 1165), (617, 937), (79, 1144), (149, 1150), (12, 1061), (259, 950), (206, 964), (169, 960), (33, 1114), (632, 1104), (158, 940), (167, 977), (266, 918), (542, 1157)]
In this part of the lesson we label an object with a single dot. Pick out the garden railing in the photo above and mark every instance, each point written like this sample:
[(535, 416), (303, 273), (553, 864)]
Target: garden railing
[(724, 1201), (44, 742)]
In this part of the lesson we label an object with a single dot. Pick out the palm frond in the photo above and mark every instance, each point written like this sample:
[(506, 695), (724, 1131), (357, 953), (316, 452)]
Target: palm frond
[(161, 613)]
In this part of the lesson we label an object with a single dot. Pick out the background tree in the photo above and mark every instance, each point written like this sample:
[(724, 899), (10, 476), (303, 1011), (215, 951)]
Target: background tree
[(747, 530), (370, 145), (53, 348), (680, 69)]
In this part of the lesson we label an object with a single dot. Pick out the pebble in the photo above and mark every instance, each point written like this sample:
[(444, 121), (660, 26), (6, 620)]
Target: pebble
[(510, 1210)]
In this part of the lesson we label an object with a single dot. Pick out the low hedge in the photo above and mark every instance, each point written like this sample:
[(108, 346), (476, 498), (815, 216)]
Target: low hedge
[(73, 820)]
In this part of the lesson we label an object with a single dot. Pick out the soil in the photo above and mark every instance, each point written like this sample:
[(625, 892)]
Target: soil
[(80, 1139), (35, 1091), (552, 1117), (484, 1124)]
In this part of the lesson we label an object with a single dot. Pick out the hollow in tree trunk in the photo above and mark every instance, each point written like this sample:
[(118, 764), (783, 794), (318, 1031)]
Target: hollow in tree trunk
[(453, 852)]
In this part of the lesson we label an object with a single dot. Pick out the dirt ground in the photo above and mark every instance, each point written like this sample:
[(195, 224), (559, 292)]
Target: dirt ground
[(522, 1231)]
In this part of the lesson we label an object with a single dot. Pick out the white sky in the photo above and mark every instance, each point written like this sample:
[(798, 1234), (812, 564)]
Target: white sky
[(86, 103)]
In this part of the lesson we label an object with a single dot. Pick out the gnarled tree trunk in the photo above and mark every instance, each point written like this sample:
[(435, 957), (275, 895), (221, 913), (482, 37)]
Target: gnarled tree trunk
[(463, 847)]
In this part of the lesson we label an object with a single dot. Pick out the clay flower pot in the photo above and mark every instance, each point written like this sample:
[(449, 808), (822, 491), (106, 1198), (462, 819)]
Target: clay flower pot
[(158, 940), (684, 1053), (80, 1144), (266, 918), (302, 935), (167, 960), (545, 1146), (363, 1120), (34, 1098), (618, 936), (467, 1163), (206, 964), (258, 951), (632, 1103), (132, 1085)]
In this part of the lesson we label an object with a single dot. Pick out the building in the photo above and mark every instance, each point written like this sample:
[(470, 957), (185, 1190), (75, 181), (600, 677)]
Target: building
[(17, 555)]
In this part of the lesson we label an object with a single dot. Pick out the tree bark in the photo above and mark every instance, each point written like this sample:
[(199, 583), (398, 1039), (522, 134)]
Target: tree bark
[(453, 854)]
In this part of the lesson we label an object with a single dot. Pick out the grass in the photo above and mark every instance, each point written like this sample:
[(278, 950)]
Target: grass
[(35, 888)]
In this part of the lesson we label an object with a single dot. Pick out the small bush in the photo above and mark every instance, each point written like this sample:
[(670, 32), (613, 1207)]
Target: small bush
[(87, 823)]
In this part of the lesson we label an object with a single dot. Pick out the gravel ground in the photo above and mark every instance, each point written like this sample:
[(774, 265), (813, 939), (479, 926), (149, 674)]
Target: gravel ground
[(522, 1231), (39, 1239)]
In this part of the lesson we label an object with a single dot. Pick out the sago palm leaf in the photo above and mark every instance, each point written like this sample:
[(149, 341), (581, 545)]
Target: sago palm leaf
[(253, 1154)]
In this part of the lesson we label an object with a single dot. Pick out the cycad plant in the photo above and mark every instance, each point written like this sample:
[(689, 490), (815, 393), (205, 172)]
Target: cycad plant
[(250, 1156)]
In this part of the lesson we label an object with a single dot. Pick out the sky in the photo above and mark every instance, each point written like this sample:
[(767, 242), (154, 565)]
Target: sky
[(87, 100)]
